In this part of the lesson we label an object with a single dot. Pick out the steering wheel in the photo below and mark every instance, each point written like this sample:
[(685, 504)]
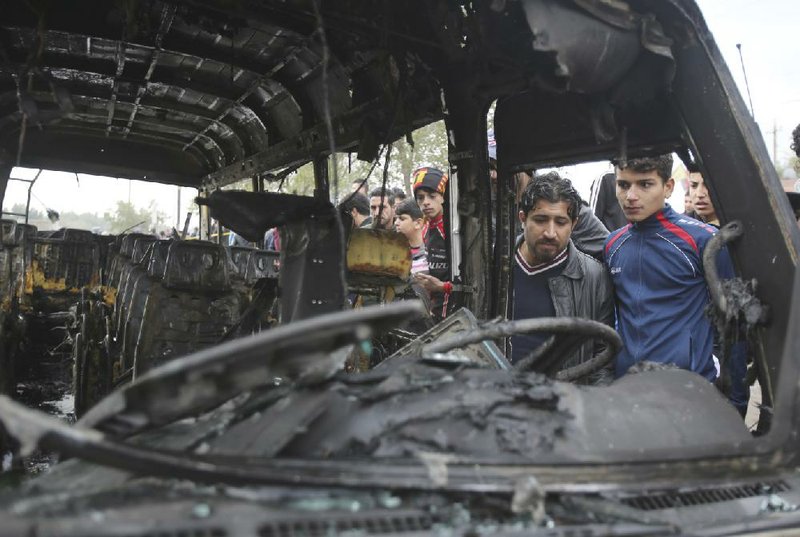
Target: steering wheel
[(569, 333)]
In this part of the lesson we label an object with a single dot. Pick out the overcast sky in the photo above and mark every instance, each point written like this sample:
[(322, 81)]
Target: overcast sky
[(766, 29)]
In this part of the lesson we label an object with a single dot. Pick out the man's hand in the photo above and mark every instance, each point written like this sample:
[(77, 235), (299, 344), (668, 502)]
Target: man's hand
[(432, 284)]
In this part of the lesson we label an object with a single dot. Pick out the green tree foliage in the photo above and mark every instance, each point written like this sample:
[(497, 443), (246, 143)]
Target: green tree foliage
[(33, 214), (429, 148), (128, 217), (68, 219)]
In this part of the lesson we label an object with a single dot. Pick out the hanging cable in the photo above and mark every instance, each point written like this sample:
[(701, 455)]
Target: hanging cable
[(326, 105)]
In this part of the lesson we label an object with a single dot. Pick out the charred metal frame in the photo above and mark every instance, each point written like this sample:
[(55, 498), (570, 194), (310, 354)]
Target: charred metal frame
[(221, 127), (701, 111)]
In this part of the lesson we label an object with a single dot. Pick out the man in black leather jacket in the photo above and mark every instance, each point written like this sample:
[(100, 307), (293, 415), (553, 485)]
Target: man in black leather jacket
[(551, 277), (589, 234)]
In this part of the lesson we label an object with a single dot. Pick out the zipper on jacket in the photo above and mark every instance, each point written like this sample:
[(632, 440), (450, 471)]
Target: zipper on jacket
[(638, 298)]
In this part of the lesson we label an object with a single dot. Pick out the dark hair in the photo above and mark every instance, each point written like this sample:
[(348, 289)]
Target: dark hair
[(387, 195), (410, 208), (399, 194), (357, 201), (661, 164), (553, 188), (796, 140)]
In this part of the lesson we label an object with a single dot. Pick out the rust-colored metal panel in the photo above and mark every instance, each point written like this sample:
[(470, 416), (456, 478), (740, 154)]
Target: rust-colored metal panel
[(378, 255)]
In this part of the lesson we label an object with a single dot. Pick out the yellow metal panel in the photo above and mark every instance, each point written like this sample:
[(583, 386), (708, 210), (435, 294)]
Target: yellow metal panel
[(378, 253)]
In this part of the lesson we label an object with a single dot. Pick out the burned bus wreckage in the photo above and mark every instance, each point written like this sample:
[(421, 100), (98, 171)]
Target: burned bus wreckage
[(215, 385)]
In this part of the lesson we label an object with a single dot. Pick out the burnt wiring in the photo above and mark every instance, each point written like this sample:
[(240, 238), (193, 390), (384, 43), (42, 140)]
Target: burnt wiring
[(735, 310), (283, 175), (386, 163), (735, 305), (386, 145), (369, 172), (326, 108)]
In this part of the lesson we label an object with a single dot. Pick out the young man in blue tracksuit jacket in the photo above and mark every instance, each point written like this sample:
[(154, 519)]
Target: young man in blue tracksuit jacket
[(656, 266)]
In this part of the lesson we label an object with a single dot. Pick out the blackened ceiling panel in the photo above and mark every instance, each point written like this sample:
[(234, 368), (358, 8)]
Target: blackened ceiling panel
[(221, 85)]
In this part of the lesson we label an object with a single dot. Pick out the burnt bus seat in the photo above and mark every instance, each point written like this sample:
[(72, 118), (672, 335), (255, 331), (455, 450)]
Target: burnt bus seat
[(12, 259), (254, 277), (117, 262), (106, 244), (79, 235), (238, 256), (130, 270), (7, 228), (190, 309), (57, 270), (261, 278), (262, 264), (111, 258), (131, 321)]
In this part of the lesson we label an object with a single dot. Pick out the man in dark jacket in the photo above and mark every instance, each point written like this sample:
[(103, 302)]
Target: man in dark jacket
[(354, 211), (551, 278), (589, 234), (603, 201)]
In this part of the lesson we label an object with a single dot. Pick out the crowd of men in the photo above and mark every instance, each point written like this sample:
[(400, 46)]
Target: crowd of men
[(626, 259), (644, 277)]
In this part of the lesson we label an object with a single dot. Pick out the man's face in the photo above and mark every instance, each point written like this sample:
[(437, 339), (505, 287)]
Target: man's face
[(700, 198), (381, 211), (642, 194), (547, 229), (406, 225), (429, 201)]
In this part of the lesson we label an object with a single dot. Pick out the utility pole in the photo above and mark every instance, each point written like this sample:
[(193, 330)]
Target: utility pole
[(775, 141), (178, 213)]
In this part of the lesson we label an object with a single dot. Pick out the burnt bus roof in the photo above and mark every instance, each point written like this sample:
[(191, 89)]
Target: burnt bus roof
[(186, 92)]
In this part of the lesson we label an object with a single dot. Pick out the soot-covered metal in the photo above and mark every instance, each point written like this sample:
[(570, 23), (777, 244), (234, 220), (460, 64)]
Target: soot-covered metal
[(258, 435), (186, 92)]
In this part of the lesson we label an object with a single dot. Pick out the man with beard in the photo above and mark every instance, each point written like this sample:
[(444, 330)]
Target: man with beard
[(551, 278), (381, 207)]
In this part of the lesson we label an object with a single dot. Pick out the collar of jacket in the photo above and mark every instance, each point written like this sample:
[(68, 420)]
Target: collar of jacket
[(652, 222), (574, 266), (573, 269), (437, 223)]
